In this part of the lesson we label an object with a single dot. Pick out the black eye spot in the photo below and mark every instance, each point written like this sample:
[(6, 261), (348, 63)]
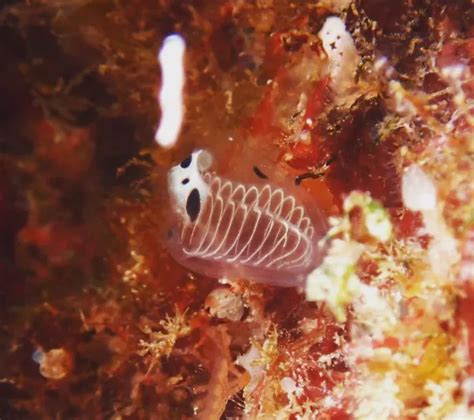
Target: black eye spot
[(193, 204), (259, 173), (185, 181), (186, 162)]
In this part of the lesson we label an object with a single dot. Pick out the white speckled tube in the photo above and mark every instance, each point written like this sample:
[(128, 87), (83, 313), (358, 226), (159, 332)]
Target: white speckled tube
[(171, 59)]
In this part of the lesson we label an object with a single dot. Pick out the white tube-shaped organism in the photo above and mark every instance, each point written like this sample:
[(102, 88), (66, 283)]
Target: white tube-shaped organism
[(171, 59)]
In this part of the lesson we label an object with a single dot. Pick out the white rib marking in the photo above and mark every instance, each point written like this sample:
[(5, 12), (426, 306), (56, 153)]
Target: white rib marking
[(280, 232)]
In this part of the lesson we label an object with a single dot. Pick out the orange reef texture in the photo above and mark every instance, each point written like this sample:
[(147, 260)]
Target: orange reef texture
[(97, 321)]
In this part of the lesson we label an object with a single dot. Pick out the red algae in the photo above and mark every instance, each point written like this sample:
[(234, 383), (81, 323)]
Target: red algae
[(367, 108)]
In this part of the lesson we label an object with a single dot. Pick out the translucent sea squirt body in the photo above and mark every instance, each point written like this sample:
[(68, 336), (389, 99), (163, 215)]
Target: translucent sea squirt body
[(223, 228)]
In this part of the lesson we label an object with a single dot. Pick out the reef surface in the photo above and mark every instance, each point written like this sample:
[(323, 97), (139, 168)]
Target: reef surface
[(367, 105)]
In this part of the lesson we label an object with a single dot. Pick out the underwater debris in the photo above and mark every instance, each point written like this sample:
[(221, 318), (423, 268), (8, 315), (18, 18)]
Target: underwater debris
[(335, 281), (376, 398), (419, 194), (225, 303), (258, 359), (418, 191), (54, 364), (161, 343), (375, 218)]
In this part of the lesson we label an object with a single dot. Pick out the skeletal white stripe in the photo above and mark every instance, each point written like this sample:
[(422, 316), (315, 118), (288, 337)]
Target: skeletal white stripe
[(289, 252), (262, 243), (250, 226), (283, 239), (249, 240), (230, 205)]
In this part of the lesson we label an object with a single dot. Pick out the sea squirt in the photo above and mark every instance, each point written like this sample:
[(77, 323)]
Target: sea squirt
[(223, 228)]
